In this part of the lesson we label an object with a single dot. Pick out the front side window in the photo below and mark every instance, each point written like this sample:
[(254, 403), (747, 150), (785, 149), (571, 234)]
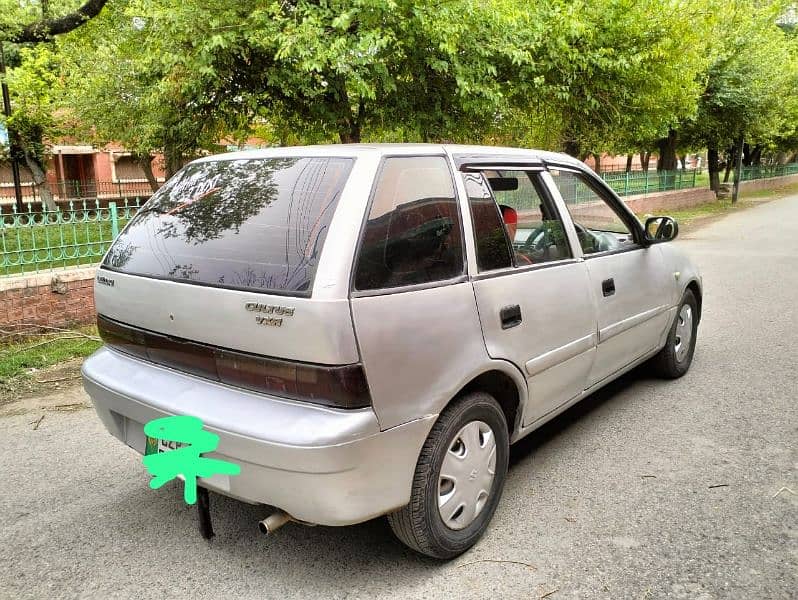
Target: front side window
[(413, 233), (599, 226), (254, 224), (507, 206)]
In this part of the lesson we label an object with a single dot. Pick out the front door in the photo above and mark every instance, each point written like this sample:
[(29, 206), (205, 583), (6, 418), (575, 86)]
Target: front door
[(79, 176), (627, 279), (533, 295)]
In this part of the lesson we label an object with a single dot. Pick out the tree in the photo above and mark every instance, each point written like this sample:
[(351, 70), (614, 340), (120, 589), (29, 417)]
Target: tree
[(31, 22), (613, 71), (343, 69), (36, 87), (749, 84)]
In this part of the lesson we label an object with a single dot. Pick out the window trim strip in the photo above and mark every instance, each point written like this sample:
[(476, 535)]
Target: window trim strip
[(526, 268)]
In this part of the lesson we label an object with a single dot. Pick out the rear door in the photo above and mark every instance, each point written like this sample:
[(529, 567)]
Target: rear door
[(412, 304), (533, 293), (627, 279)]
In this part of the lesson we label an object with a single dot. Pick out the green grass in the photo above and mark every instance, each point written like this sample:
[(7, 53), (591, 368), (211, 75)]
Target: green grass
[(40, 351), (687, 215), (702, 179), (786, 190)]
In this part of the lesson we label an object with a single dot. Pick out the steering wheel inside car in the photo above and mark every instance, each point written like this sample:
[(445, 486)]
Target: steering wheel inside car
[(536, 245), (592, 242)]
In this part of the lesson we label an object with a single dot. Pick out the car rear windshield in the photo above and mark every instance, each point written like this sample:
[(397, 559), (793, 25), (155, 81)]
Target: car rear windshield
[(254, 224)]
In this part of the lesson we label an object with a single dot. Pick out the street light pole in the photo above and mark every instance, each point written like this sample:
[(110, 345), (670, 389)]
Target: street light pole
[(11, 136)]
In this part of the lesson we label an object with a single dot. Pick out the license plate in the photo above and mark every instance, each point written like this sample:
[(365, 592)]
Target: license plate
[(156, 446)]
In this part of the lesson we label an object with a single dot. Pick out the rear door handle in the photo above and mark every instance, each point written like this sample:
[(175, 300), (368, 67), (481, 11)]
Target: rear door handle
[(608, 287), (510, 316)]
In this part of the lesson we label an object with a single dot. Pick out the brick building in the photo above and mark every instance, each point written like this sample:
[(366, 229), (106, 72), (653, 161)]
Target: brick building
[(84, 172)]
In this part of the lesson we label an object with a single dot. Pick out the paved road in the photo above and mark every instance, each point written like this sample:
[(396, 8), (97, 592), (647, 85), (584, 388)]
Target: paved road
[(617, 498)]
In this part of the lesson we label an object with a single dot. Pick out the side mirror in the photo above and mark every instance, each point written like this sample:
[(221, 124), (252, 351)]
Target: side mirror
[(661, 229)]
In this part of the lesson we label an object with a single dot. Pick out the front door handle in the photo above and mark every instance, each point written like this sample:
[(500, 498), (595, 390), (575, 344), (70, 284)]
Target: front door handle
[(510, 316), (608, 287)]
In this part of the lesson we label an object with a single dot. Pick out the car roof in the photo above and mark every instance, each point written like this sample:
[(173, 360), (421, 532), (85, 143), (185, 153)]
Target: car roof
[(355, 150)]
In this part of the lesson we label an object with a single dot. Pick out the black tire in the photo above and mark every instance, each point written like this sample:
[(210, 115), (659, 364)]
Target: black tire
[(667, 363), (419, 524)]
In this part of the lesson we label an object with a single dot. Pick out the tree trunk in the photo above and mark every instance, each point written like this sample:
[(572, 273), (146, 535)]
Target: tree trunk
[(40, 179), (747, 155), (572, 147), (173, 160), (645, 158), (729, 164), (350, 134), (145, 162), (667, 152), (713, 165), (756, 156), (597, 156), (629, 160), (738, 168)]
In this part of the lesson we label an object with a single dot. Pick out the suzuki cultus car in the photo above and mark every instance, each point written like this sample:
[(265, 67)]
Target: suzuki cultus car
[(368, 328)]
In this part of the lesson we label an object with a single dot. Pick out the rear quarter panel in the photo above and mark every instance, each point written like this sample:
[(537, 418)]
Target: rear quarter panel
[(419, 348)]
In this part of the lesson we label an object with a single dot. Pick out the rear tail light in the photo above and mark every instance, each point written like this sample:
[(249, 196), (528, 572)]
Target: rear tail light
[(337, 386)]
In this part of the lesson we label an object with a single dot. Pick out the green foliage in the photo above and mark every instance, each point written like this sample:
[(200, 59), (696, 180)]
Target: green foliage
[(15, 14), (751, 80), (613, 72), (339, 68), (131, 91), (36, 94), (587, 76)]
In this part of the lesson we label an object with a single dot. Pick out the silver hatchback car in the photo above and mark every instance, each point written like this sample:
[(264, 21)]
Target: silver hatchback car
[(368, 328)]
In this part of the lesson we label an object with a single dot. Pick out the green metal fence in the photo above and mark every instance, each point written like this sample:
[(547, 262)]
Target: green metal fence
[(629, 183), (35, 240), (76, 189), (767, 171)]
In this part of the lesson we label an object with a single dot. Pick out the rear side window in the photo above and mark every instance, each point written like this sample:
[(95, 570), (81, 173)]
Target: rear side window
[(255, 224), (413, 234)]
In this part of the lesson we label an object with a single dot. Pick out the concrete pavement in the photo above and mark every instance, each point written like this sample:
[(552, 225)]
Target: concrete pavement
[(648, 489)]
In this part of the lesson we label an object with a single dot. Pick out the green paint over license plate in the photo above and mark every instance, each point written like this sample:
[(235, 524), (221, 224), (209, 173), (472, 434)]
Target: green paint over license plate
[(154, 446)]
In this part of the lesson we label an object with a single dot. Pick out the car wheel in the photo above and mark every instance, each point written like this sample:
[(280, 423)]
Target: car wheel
[(458, 480), (674, 359)]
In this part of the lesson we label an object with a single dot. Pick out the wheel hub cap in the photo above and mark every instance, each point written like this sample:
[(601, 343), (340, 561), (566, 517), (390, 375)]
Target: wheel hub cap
[(684, 332), (467, 473)]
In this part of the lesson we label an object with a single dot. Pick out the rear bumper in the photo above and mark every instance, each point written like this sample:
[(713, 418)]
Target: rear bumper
[(321, 465)]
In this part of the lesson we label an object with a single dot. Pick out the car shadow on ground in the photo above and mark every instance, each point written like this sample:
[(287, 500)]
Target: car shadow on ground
[(576, 413)]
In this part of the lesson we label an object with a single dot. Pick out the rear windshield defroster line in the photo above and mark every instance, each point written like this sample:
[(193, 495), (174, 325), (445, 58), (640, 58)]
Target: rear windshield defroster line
[(250, 224)]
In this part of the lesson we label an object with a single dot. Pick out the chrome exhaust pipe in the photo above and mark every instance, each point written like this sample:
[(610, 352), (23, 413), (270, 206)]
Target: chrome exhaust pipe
[(273, 522)]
